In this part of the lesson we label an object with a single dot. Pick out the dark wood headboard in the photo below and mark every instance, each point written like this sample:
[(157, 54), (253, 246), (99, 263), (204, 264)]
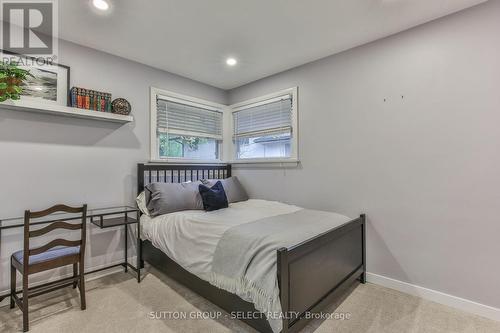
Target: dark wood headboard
[(175, 173)]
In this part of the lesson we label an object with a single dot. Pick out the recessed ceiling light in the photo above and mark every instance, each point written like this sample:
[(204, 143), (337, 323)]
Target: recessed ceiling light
[(100, 4), (231, 61)]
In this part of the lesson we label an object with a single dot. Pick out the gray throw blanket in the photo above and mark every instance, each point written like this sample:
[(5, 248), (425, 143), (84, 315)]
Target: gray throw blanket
[(244, 262)]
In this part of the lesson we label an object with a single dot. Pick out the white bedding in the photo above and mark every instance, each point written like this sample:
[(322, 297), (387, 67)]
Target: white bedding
[(190, 237)]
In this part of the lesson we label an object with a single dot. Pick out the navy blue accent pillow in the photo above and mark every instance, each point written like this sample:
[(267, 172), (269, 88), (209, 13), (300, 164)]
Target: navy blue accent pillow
[(213, 197)]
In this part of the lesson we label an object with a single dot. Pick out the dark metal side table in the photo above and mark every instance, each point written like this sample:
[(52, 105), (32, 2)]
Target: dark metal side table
[(117, 217), (110, 217)]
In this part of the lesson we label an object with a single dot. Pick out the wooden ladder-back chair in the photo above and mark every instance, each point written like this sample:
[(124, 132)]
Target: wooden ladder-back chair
[(56, 253)]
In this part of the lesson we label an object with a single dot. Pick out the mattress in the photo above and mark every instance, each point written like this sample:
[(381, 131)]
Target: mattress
[(190, 237)]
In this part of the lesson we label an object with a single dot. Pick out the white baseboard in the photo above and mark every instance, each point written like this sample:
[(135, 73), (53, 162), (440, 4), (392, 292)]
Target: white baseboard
[(93, 276), (436, 296)]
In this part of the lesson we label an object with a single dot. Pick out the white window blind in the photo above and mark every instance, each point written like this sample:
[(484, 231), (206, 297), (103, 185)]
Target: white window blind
[(187, 119), (270, 117)]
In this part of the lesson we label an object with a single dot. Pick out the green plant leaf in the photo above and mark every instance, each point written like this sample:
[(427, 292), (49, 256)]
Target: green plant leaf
[(15, 96), (11, 71)]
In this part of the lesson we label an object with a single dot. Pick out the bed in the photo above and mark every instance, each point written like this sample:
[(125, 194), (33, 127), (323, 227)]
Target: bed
[(315, 268)]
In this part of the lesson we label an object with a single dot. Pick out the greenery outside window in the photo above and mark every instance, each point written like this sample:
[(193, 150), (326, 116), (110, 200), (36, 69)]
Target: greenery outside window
[(188, 147)]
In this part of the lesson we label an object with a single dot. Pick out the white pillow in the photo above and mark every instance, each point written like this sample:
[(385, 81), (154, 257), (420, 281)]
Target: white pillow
[(141, 203)]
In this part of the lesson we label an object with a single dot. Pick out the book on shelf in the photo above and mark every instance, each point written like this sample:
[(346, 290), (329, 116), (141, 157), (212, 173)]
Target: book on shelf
[(90, 99)]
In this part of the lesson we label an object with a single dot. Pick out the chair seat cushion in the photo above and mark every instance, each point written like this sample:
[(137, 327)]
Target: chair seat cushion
[(54, 253)]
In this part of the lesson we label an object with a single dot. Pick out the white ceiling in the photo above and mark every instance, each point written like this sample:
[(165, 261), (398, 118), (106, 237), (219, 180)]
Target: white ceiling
[(192, 38)]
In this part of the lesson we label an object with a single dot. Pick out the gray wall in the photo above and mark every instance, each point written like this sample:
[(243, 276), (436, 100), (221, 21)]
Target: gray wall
[(48, 159), (424, 167)]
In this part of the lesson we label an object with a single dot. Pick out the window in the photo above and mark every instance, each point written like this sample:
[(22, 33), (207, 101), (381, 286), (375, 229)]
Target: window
[(266, 128), (189, 130), (184, 128)]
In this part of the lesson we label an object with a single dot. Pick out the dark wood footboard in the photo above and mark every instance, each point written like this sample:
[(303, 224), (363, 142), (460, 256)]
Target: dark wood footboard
[(315, 273)]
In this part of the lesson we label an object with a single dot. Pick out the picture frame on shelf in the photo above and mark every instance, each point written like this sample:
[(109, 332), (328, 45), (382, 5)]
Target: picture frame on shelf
[(50, 82)]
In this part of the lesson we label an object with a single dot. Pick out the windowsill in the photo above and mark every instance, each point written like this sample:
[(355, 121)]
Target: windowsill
[(289, 162), (185, 161)]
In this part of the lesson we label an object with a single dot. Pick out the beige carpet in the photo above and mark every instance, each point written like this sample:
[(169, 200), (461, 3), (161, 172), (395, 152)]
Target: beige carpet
[(117, 303)]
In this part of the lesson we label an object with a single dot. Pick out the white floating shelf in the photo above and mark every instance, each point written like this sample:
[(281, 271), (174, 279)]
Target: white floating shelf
[(66, 111)]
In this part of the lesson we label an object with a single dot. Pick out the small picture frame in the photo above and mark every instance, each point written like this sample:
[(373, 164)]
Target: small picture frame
[(50, 83)]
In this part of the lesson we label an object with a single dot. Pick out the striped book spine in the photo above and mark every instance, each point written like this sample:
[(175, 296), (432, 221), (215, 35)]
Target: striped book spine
[(90, 99)]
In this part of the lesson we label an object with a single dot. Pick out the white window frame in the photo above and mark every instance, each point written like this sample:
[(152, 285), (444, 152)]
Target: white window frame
[(294, 153), (188, 100)]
